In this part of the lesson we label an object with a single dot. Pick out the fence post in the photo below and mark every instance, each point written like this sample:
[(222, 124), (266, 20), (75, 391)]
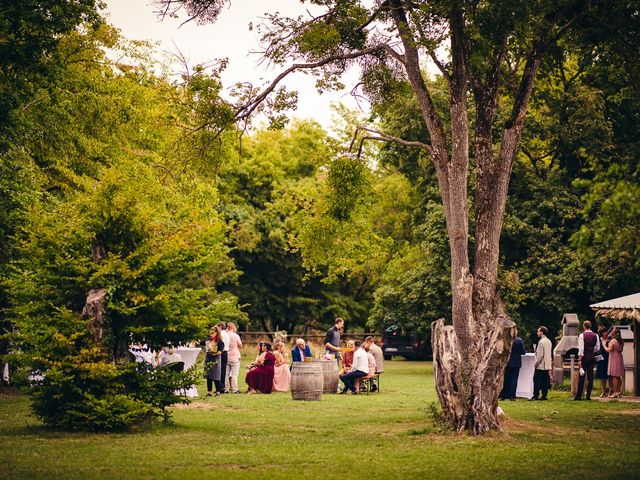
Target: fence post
[(574, 377)]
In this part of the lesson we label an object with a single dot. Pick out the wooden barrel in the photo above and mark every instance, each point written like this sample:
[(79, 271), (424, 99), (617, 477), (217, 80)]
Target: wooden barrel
[(330, 377), (306, 381)]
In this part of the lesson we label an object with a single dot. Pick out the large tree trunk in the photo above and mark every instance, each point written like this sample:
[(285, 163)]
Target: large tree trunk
[(469, 393), (121, 353), (93, 312)]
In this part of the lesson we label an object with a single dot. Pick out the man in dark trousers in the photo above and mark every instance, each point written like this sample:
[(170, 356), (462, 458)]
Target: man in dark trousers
[(513, 370), (588, 348), (332, 339), (541, 377)]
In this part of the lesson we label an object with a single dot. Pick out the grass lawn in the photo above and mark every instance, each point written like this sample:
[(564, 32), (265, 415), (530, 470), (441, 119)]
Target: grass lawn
[(386, 435)]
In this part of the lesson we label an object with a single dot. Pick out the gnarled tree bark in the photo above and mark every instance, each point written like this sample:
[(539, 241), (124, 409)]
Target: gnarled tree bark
[(93, 311)]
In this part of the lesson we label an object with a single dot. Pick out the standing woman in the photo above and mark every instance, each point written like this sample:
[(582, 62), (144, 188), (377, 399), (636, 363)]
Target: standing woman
[(260, 378), (213, 362), (602, 367), (616, 363), (281, 373)]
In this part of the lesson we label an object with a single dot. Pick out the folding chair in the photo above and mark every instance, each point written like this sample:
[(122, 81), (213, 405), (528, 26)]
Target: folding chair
[(369, 382), (176, 367)]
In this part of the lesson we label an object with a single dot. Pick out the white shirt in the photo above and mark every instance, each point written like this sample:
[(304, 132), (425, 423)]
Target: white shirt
[(225, 339), (360, 361), (596, 347)]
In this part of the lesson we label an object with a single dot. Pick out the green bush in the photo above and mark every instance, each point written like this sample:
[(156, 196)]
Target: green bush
[(83, 390)]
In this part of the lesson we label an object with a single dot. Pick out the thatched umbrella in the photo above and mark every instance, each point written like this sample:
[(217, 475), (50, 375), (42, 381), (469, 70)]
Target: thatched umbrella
[(619, 308), (625, 308)]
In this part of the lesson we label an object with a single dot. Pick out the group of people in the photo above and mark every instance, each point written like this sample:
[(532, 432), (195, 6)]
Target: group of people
[(270, 371), (361, 360), (222, 359), (602, 351)]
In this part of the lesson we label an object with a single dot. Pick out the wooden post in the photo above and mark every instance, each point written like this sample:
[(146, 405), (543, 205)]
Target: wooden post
[(558, 369), (574, 377)]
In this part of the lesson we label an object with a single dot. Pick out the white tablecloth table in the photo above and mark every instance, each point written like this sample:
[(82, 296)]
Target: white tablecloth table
[(189, 357), (525, 377)]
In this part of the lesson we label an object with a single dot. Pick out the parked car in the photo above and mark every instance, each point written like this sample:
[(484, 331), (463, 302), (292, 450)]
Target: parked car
[(396, 341)]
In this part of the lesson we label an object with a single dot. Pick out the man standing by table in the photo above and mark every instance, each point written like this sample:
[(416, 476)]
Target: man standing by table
[(233, 359), (512, 371), (332, 339), (541, 379)]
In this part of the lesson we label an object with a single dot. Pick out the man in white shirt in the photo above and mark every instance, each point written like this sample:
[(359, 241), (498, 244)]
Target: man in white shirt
[(233, 358), (224, 336), (359, 368), (588, 348)]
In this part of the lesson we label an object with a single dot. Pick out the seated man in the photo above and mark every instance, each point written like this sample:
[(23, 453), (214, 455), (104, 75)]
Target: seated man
[(170, 357), (371, 373), (359, 368), (379, 357), (300, 351)]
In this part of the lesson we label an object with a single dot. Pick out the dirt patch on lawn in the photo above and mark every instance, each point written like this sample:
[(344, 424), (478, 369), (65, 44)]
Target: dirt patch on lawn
[(200, 405), (10, 392), (545, 425), (624, 412)]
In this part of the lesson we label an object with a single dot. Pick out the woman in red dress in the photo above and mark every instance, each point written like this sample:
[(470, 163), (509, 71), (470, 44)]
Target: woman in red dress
[(260, 378)]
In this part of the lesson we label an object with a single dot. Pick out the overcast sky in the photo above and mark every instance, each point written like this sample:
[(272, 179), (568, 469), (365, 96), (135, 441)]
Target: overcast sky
[(229, 37)]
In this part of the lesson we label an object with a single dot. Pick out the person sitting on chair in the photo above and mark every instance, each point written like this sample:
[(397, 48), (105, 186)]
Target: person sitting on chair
[(260, 378), (300, 351), (376, 351), (347, 357), (359, 368), (371, 372), (170, 357), (281, 373)]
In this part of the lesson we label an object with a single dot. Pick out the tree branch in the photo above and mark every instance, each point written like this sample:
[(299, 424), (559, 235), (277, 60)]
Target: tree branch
[(459, 53), (425, 41), (384, 137), (246, 110), (544, 41), (414, 74)]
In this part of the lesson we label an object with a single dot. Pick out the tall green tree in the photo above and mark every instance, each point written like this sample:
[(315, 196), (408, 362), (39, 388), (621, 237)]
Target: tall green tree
[(30, 31), (260, 188), (490, 46), (109, 216)]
